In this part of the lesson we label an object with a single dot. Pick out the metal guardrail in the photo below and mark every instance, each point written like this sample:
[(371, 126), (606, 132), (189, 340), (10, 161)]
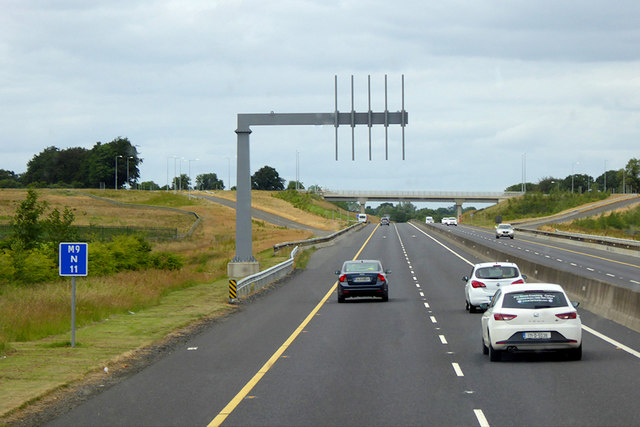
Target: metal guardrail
[(615, 242), (315, 240), (250, 284)]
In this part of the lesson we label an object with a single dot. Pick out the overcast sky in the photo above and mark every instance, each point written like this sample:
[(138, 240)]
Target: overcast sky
[(487, 84)]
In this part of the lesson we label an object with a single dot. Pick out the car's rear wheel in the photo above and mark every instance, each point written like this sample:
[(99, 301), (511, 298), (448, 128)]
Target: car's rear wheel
[(485, 349), (385, 296), (494, 355), (497, 237), (340, 299), (575, 353), (472, 308), (511, 237)]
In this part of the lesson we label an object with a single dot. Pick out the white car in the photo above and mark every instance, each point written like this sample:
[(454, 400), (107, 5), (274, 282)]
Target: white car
[(486, 278), (504, 230), (531, 317), (449, 220), (428, 220)]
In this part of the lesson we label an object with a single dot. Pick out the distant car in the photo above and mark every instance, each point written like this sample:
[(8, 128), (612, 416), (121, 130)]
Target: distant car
[(429, 220), (531, 317), (504, 230), (452, 221), (385, 220), (363, 278), (362, 218), (444, 220), (486, 278)]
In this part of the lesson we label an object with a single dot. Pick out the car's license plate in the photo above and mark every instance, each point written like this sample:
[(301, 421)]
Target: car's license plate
[(361, 279), (537, 335)]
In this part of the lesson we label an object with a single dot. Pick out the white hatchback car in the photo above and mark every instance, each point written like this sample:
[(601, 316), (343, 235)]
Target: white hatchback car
[(531, 317), (486, 278)]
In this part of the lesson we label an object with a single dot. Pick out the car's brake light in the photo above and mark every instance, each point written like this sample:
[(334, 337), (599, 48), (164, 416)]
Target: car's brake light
[(518, 282), (500, 316), (343, 277), (477, 284), (570, 315), (381, 277)]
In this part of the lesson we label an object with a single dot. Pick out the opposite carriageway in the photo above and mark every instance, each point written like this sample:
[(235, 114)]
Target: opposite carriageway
[(457, 197)]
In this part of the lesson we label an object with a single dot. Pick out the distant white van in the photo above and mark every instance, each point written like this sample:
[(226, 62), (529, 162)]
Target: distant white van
[(362, 218), (429, 220)]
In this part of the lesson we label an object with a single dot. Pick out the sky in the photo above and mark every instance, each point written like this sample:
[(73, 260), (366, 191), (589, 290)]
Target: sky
[(494, 90)]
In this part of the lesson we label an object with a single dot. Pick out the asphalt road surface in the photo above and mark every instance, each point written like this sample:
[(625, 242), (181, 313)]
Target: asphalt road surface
[(294, 356)]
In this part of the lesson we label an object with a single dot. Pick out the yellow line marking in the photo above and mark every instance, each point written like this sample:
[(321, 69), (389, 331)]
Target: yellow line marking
[(242, 394), (569, 250)]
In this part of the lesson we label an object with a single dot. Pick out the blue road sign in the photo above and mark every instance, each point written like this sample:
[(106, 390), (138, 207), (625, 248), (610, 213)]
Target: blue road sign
[(74, 259)]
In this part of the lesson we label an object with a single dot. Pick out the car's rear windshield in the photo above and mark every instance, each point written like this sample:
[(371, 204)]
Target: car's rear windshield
[(535, 299), (362, 267), (504, 226), (497, 272)]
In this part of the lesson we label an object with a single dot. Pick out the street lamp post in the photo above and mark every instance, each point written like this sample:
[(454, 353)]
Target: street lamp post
[(115, 185), (189, 186), (128, 185)]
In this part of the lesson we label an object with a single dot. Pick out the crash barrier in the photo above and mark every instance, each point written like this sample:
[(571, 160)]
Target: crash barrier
[(612, 242), (316, 240), (250, 284), (622, 305)]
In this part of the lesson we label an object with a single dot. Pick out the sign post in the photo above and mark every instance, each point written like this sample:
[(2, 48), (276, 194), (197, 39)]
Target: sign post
[(73, 261)]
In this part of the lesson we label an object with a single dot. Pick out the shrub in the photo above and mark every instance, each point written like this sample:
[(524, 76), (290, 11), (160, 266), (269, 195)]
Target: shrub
[(166, 261)]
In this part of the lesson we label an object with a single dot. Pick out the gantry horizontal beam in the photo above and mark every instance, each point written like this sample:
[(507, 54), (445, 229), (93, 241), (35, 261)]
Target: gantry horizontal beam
[(245, 121)]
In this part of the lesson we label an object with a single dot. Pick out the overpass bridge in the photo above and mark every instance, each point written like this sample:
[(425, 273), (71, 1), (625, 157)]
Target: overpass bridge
[(457, 197)]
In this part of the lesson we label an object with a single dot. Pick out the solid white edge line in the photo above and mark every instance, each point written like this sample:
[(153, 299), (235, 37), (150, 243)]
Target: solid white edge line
[(456, 368), (482, 420), (612, 341)]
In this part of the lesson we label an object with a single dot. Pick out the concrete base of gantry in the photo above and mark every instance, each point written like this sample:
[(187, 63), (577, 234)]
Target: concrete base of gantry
[(242, 269)]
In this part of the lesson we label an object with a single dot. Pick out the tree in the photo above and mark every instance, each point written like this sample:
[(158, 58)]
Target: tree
[(57, 228), (8, 179), (314, 189), (42, 168), (295, 185), (149, 185), (181, 182), (27, 229), (209, 181), (632, 178), (267, 178)]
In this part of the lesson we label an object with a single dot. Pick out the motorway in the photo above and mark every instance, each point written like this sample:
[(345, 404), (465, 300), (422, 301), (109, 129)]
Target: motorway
[(607, 266), (294, 356)]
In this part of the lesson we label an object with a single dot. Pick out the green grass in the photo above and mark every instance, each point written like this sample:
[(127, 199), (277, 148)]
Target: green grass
[(531, 205), (35, 368), (624, 225)]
